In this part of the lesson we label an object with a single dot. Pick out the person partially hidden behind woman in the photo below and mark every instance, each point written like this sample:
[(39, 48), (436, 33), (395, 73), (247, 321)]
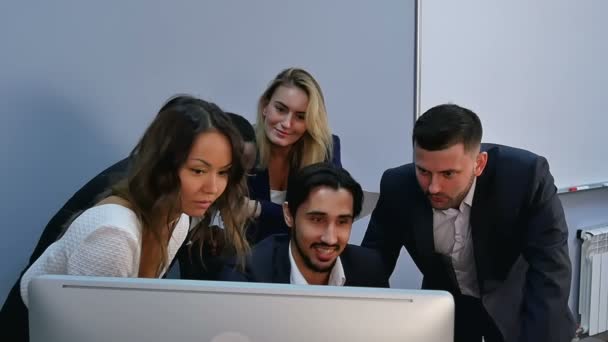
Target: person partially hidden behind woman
[(188, 163), (291, 132)]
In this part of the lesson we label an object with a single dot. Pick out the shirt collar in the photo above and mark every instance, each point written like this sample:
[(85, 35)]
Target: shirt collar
[(336, 277)]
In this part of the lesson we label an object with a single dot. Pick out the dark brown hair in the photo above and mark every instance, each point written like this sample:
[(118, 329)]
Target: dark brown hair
[(446, 125), (152, 185)]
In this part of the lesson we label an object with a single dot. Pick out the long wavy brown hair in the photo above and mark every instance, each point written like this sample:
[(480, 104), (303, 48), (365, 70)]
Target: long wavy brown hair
[(152, 185)]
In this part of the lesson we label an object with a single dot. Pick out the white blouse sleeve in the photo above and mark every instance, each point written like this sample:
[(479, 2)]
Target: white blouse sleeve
[(106, 252)]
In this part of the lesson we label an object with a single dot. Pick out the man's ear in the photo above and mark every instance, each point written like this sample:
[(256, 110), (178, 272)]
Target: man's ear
[(287, 215), (480, 163)]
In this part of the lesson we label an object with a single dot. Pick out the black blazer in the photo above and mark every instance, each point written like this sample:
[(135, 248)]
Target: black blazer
[(520, 242), (14, 316), (271, 219), (269, 263)]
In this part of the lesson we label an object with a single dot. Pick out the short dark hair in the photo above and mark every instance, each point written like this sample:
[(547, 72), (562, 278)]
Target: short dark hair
[(321, 174), (446, 125), (243, 126)]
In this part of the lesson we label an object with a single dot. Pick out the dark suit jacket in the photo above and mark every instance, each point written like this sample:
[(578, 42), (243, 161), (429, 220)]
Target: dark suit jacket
[(269, 263), (520, 242), (271, 219), (13, 316)]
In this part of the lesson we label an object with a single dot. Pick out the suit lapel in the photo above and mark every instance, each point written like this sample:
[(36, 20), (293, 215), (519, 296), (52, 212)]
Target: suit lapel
[(423, 227), (349, 272), (480, 220), (281, 264)]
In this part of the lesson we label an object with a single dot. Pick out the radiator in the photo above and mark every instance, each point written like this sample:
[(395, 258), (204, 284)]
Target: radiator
[(593, 291)]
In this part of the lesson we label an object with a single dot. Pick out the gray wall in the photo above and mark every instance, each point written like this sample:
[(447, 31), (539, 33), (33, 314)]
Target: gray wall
[(79, 81)]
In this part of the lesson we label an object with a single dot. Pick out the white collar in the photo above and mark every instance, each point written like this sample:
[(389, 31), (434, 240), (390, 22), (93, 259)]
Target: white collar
[(336, 277)]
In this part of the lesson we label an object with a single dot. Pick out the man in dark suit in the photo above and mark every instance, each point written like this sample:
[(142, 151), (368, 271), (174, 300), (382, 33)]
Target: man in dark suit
[(322, 202), (483, 222)]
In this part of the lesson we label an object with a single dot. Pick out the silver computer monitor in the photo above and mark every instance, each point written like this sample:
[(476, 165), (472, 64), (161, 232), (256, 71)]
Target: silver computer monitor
[(76, 309)]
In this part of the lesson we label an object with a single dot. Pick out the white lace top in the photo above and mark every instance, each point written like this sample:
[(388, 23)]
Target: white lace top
[(104, 241)]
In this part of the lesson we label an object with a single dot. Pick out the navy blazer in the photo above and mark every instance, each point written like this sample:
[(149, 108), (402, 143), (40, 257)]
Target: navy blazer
[(271, 219), (14, 316), (520, 242), (269, 263)]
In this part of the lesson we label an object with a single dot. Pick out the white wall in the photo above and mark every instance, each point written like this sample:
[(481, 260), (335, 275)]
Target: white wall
[(534, 71)]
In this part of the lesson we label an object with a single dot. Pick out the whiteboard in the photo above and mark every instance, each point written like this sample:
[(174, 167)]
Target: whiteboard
[(536, 72)]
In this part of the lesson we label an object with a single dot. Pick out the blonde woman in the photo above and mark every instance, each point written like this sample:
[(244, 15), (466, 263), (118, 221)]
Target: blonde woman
[(292, 131)]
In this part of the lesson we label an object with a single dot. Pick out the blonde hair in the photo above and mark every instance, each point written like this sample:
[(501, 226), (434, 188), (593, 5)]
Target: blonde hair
[(316, 144)]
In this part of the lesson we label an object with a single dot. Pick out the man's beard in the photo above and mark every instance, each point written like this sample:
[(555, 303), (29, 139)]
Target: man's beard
[(453, 202), (307, 261)]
